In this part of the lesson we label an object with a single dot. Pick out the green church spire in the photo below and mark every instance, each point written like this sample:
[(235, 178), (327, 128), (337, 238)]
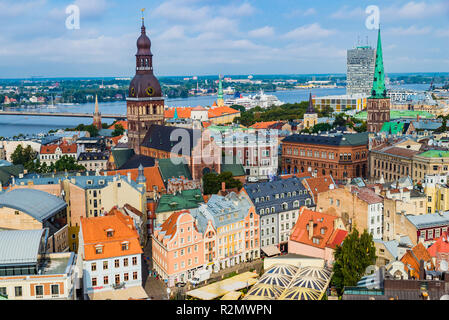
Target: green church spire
[(379, 91), (220, 89)]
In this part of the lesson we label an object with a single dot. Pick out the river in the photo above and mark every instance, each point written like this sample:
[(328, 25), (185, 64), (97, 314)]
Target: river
[(13, 125)]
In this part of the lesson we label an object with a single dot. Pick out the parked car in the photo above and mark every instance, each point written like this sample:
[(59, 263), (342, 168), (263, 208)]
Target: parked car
[(180, 284), (200, 276)]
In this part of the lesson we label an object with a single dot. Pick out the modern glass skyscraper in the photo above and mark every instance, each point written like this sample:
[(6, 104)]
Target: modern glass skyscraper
[(360, 73)]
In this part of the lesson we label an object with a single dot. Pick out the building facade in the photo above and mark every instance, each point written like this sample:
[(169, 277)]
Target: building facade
[(278, 203), (111, 254), (339, 155), (360, 70)]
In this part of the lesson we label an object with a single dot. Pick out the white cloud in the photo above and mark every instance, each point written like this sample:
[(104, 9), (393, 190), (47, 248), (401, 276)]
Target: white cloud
[(308, 31), (300, 13), (415, 10), (410, 31), (9, 9), (245, 9), (347, 12), (174, 33), (263, 32)]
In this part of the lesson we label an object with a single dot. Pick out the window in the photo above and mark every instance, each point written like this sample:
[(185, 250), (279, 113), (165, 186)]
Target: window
[(40, 291), (94, 282), (134, 261), (93, 267), (135, 275), (105, 280), (55, 289), (126, 277), (99, 250), (17, 291), (429, 234), (125, 246), (125, 262), (117, 263), (105, 265), (117, 279)]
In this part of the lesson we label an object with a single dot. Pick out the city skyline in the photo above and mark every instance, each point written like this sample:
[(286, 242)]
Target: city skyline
[(195, 37)]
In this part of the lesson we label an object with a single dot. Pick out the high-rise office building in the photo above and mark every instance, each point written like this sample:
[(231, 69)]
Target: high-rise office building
[(360, 74)]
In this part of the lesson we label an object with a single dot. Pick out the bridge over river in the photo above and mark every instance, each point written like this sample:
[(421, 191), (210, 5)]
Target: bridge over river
[(61, 114)]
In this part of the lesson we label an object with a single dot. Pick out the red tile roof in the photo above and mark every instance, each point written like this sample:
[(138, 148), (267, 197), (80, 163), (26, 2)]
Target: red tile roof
[(441, 245), (183, 113), (321, 221), (263, 125), (152, 175), (95, 234), (65, 148), (221, 111), (319, 184), (124, 124), (169, 226)]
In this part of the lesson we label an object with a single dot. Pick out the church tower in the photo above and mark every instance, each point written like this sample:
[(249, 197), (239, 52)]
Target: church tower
[(378, 104), (310, 117), (97, 115), (145, 104)]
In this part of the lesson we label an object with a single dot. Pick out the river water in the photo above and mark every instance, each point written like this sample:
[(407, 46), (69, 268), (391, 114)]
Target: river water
[(13, 125)]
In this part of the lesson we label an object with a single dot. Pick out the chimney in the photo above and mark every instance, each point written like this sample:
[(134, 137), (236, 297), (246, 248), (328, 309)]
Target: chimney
[(129, 177), (223, 186), (310, 229)]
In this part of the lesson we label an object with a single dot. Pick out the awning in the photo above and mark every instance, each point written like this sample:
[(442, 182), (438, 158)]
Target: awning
[(271, 250), (136, 292)]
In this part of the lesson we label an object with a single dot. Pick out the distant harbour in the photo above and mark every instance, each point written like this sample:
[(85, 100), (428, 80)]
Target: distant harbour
[(14, 125)]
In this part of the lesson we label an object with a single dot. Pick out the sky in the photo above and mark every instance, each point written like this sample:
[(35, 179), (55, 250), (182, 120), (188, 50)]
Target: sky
[(229, 37)]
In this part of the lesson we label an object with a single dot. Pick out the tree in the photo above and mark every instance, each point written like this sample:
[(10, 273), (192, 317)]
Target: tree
[(67, 163), (23, 155), (321, 127), (352, 258), (238, 107), (118, 130), (212, 182)]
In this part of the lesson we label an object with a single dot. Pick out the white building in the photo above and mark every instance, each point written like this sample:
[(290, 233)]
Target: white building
[(111, 255)]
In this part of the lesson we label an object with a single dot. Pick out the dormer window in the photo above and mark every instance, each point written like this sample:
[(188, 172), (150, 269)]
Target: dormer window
[(99, 249), (110, 233), (125, 246)]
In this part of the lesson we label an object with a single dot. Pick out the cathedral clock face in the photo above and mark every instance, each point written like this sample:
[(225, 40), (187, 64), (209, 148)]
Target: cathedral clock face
[(133, 91), (150, 91)]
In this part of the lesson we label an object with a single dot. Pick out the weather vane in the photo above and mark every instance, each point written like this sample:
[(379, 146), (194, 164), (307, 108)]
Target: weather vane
[(143, 10)]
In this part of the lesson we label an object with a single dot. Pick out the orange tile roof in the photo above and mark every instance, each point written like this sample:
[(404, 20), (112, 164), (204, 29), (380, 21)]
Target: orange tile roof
[(94, 234), (65, 148), (124, 124), (152, 175), (169, 226), (115, 139), (221, 111), (412, 258), (263, 125), (330, 238), (319, 184), (183, 113)]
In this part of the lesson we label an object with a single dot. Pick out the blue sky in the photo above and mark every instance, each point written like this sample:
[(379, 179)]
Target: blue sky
[(199, 37)]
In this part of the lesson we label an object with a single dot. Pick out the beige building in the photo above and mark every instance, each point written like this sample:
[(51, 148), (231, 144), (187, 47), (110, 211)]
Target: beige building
[(360, 208), (90, 196), (33, 279), (93, 161)]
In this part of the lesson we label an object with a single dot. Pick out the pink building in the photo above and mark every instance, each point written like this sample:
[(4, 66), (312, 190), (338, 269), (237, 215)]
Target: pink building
[(178, 250), (316, 235)]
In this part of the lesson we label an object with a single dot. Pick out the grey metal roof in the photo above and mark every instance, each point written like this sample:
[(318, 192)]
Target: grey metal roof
[(429, 220), (20, 247), (271, 188), (38, 204)]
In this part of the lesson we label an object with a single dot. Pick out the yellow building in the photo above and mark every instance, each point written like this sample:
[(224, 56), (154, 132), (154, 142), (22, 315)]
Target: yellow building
[(341, 103), (437, 193)]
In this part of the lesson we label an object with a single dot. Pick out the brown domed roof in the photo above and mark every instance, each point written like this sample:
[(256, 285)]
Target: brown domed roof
[(141, 82), (144, 43)]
